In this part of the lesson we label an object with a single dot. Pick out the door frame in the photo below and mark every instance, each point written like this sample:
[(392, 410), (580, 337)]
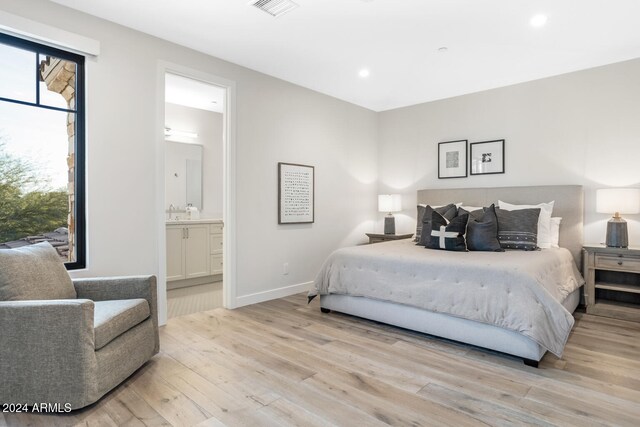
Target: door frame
[(229, 182)]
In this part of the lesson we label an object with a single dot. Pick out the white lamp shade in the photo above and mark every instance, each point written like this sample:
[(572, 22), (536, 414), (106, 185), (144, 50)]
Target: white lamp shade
[(622, 200), (389, 203)]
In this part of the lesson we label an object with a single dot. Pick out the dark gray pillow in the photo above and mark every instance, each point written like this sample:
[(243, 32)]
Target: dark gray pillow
[(447, 235), (419, 216), (518, 229), (477, 214), (448, 211), (34, 272), (482, 229)]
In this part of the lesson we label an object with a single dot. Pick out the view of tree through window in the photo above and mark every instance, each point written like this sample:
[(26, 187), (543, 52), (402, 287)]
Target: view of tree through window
[(41, 148)]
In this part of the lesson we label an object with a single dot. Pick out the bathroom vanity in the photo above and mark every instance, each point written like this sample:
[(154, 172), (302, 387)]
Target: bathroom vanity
[(194, 250)]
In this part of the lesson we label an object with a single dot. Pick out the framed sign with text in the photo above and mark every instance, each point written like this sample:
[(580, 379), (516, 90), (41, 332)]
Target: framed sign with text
[(295, 193)]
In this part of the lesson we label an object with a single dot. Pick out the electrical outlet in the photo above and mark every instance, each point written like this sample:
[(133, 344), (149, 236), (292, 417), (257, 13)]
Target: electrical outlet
[(285, 268)]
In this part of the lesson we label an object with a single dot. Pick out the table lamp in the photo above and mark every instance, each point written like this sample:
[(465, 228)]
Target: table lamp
[(617, 201), (389, 203)]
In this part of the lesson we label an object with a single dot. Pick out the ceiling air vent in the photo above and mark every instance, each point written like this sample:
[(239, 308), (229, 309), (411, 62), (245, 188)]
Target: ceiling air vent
[(274, 7)]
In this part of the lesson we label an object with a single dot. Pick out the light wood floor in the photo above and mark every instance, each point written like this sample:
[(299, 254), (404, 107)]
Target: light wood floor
[(284, 363)]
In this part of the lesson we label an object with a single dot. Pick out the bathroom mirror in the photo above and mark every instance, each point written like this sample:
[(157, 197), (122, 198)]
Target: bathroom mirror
[(183, 175)]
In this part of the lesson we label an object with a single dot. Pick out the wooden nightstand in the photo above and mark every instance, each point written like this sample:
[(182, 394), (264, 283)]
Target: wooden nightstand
[(377, 238), (612, 278)]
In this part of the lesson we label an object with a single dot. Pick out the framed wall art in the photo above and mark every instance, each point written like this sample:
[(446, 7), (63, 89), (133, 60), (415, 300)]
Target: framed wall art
[(295, 193), (452, 159), (487, 157)]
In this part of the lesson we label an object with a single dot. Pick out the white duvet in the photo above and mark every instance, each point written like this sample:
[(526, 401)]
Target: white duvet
[(516, 290)]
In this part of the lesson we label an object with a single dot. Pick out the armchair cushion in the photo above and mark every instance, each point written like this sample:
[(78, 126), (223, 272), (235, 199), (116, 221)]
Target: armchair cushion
[(34, 272), (114, 288), (115, 317)]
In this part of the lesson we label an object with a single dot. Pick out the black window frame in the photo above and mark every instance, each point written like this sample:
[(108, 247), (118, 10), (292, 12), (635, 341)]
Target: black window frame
[(80, 133)]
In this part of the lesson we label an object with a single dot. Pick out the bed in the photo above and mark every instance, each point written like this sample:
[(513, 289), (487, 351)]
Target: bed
[(515, 302)]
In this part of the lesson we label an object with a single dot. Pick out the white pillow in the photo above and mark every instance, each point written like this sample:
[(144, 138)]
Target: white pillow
[(555, 231), (470, 208), (439, 206), (544, 220)]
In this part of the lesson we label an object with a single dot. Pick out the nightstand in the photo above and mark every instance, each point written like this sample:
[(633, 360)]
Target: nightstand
[(612, 278), (377, 238)]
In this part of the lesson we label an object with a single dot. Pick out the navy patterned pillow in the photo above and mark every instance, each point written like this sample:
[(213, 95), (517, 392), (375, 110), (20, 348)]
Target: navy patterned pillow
[(518, 229), (448, 235)]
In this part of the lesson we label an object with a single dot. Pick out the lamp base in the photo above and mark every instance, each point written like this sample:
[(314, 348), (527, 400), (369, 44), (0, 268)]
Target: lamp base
[(389, 224), (617, 234)]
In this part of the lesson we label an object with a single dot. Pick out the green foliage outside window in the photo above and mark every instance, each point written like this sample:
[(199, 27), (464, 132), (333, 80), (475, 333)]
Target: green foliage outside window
[(27, 206)]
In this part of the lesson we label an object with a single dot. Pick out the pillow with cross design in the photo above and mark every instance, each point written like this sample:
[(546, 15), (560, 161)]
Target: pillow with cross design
[(448, 235)]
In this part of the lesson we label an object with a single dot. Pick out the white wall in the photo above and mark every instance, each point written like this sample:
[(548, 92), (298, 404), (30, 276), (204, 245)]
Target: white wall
[(288, 124), (275, 121), (208, 126), (578, 128)]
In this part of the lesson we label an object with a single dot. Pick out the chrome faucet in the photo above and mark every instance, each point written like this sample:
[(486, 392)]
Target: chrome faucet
[(171, 209)]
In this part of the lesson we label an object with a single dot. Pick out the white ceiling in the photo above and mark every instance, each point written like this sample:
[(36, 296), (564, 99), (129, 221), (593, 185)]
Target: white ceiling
[(323, 44), (193, 93)]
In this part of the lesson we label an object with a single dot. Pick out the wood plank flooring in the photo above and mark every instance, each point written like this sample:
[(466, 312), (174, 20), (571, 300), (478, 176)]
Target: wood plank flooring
[(283, 363)]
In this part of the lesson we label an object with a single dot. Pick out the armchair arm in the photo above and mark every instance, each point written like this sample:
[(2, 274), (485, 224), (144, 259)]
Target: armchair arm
[(46, 349), (110, 288)]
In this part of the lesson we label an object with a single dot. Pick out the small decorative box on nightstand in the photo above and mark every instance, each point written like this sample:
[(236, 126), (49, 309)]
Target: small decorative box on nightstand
[(612, 278), (377, 238)]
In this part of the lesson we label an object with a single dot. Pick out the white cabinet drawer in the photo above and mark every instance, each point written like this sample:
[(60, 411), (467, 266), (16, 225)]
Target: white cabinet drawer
[(216, 264), (215, 228), (215, 244)]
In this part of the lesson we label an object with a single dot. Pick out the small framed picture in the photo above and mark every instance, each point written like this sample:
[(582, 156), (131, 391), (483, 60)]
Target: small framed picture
[(487, 157), (452, 159)]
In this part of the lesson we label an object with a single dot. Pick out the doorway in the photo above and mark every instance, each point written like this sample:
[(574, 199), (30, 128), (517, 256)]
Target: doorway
[(195, 152)]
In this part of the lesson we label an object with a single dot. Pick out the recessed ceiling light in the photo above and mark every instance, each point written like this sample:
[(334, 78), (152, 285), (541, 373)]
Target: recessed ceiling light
[(538, 21), (364, 73)]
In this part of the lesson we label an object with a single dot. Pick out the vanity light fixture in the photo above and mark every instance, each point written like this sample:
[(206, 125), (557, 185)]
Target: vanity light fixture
[(274, 8), (364, 73), (180, 133)]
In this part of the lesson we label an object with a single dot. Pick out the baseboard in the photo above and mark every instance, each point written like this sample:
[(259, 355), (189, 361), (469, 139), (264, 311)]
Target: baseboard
[(205, 280), (272, 294)]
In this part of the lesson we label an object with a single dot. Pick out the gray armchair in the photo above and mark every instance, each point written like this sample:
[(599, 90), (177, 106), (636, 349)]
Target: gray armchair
[(73, 351)]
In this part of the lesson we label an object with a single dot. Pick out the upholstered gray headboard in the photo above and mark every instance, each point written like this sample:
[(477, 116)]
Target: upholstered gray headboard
[(569, 205)]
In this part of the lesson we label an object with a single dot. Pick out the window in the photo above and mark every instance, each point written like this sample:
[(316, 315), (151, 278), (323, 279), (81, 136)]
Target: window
[(42, 148)]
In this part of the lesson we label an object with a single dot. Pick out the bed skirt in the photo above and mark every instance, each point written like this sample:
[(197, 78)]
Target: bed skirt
[(443, 325)]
